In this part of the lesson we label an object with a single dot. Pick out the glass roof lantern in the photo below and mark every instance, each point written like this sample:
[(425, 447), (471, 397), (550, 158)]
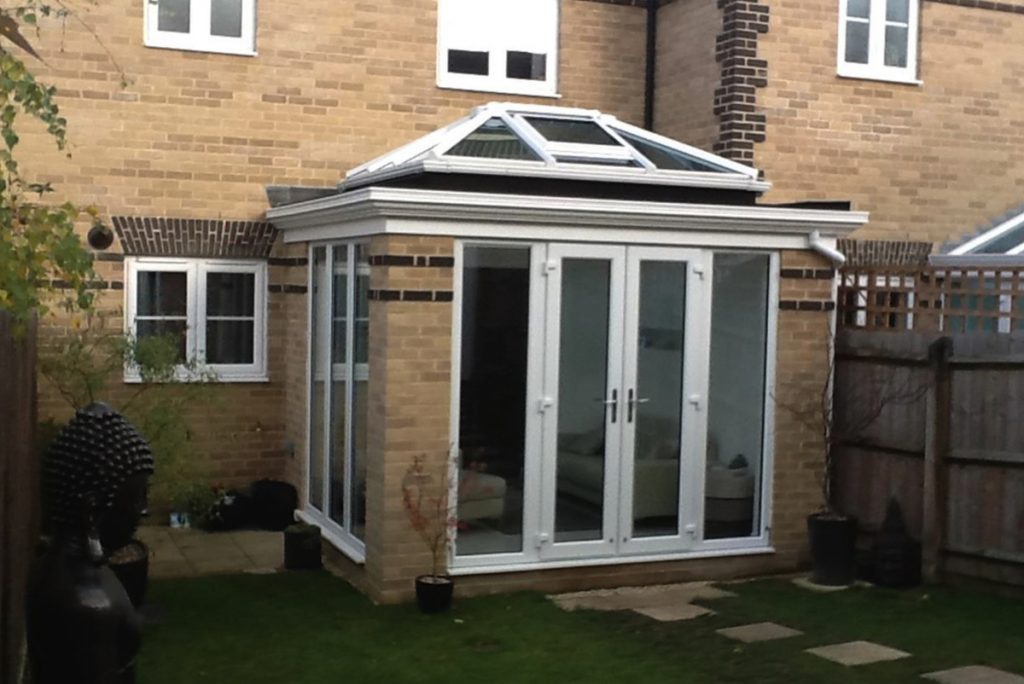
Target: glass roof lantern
[(556, 142)]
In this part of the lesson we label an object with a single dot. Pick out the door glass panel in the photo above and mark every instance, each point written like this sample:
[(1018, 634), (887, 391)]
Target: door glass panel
[(318, 370), (360, 388), (492, 414), (736, 399), (896, 46), (226, 18), (657, 406), (339, 384), (173, 15), (857, 42), (582, 391)]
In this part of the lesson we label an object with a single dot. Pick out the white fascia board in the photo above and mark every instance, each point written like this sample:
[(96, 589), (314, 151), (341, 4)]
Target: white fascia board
[(976, 261), (338, 213), (563, 171)]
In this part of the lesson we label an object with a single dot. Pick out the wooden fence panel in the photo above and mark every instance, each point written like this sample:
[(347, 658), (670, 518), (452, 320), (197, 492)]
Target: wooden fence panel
[(18, 488)]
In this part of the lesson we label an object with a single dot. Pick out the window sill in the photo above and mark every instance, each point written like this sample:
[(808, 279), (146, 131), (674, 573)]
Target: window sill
[(179, 46), (480, 87), (255, 378), (875, 75)]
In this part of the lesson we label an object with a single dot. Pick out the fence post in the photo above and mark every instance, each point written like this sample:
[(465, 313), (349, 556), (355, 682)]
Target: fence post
[(937, 445)]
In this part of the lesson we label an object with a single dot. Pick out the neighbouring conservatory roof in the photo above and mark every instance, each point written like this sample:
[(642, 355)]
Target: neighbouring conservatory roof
[(1001, 240), (532, 141)]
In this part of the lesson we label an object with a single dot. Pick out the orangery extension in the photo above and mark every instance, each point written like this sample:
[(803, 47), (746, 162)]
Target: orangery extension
[(596, 336)]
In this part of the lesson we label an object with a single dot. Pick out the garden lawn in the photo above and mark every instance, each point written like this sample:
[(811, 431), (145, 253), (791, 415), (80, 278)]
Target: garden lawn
[(299, 628)]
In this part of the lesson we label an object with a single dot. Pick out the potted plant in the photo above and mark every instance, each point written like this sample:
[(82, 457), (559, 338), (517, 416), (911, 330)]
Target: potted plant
[(431, 515)]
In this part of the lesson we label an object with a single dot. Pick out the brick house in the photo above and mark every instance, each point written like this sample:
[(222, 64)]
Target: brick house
[(445, 299)]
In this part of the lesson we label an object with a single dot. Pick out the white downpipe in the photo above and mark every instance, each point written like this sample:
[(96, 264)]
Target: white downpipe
[(816, 244)]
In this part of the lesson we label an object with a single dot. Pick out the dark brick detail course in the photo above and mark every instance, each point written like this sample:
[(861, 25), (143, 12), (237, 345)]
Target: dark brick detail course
[(154, 236), (985, 5), (808, 273), (741, 123), (288, 261), (411, 295), (413, 261), (861, 253), (806, 305), (107, 256), (287, 289)]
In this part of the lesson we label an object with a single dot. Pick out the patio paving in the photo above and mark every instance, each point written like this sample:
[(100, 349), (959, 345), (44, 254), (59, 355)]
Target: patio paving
[(974, 674), (759, 631), (634, 598), (854, 653), (190, 553), (674, 612)]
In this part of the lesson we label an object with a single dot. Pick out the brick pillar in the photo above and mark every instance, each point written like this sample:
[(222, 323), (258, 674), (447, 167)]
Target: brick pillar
[(802, 366), (409, 402)]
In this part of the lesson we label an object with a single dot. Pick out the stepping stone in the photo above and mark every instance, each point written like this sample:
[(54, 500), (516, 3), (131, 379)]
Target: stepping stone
[(857, 653), (631, 598), (806, 583), (760, 631), (974, 674), (674, 613)]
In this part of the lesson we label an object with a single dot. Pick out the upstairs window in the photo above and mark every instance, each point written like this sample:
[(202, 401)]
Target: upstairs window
[(502, 46), (878, 39), (227, 26)]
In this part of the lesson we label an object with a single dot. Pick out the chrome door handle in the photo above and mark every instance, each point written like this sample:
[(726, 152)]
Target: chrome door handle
[(613, 402), (631, 404)]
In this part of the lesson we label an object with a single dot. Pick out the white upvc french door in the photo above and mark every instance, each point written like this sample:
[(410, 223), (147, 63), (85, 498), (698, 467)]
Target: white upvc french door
[(623, 400)]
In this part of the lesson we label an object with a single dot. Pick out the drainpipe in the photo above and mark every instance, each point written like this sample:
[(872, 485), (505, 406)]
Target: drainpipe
[(652, 36), (816, 244)]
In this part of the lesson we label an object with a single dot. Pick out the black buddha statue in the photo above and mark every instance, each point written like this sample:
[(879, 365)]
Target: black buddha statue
[(82, 628)]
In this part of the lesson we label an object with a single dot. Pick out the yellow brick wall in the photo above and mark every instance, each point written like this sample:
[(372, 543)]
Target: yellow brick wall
[(687, 72), (930, 162)]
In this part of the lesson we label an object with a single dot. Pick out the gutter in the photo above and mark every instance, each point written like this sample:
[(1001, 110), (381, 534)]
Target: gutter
[(816, 244), (652, 39)]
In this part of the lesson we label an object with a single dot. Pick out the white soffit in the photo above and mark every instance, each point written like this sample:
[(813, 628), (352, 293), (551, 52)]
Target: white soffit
[(538, 141)]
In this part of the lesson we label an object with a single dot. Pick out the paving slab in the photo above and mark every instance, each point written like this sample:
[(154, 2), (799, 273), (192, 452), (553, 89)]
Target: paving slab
[(168, 569), (675, 613), (974, 674), (631, 598), (854, 653), (806, 583), (759, 631)]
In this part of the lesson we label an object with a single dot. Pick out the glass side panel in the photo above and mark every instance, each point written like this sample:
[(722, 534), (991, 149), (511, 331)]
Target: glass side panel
[(736, 396), (571, 131), (1004, 243), (857, 41), (530, 66), (896, 46), (230, 341), (319, 367), (667, 158), (339, 387), (659, 397), (492, 414), (582, 391), (230, 294), (897, 11), (226, 18), (468, 62), (162, 293), (173, 15), (360, 391), (859, 8), (493, 140)]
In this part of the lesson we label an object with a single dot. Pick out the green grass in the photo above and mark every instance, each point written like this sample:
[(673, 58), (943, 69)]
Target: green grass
[(312, 628)]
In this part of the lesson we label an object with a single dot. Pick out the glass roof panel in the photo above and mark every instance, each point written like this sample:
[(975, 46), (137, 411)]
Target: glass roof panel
[(1004, 243), (571, 131), (666, 158), (493, 140)]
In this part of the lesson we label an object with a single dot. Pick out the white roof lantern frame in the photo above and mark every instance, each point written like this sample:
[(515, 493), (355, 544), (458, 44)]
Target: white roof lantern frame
[(618, 162), (972, 246)]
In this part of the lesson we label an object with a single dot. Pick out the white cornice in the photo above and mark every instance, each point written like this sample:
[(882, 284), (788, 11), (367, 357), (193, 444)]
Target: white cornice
[(489, 208)]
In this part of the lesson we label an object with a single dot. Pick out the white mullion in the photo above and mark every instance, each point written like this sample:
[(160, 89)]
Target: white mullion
[(529, 135), (310, 381), (201, 19), (349, 374), (876, 33), (327, 309)]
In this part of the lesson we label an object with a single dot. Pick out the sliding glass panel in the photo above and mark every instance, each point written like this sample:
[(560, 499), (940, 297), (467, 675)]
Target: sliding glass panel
[(360, 388), (582, 387), (659, 394), (339, 383), (319, 340), (739, 337), (492, 423)]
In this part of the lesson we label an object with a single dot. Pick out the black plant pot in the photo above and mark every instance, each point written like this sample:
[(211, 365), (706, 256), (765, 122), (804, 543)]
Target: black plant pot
[(302, 547), (434, 593), (833, 549), (130, 564)]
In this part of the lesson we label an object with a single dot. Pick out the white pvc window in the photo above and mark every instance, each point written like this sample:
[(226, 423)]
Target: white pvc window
[(227, 26), (502, 46), (878, 39), (215, 309)]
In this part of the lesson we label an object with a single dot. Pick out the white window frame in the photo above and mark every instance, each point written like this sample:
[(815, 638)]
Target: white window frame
[(497, 41), (199, 38), (875, 69), (196, 271)]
